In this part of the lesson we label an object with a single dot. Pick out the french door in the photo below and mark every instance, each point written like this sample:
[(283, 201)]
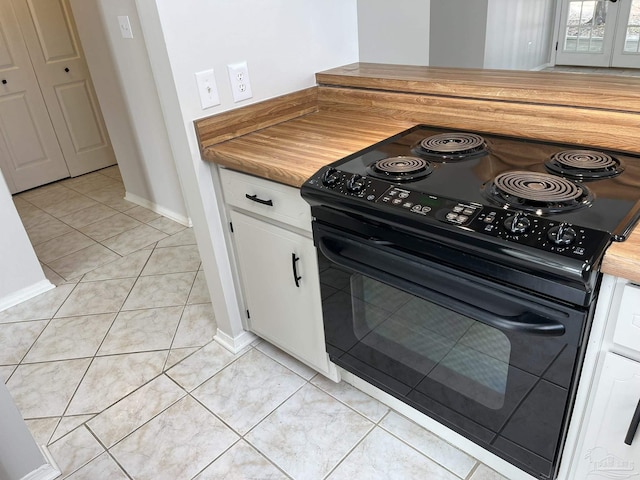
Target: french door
[(599, 33)]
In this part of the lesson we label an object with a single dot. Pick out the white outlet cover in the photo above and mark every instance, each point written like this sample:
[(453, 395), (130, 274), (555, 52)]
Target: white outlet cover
[(240, 83)]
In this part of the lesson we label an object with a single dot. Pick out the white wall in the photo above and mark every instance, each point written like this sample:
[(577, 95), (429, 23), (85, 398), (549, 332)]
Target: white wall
[(457, 33), (21, 274), (126, 91), (284, 43), (19, 454), (519, 34), (394, 32)]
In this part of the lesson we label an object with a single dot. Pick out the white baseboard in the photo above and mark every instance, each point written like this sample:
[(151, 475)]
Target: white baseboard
[(25, 294), (143, 202), (48, 471), (237, 344), (542, 67)]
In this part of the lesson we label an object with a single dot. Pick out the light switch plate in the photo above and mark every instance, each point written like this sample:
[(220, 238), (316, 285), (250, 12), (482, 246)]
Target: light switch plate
[(207, 89), (125, 26)]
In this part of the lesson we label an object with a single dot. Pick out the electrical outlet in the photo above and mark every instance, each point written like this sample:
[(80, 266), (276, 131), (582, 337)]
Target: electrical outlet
[(240, 84), (207, 89), (125, 26)]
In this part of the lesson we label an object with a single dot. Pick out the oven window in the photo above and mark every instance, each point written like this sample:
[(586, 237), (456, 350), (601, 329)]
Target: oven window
[(464, 355)]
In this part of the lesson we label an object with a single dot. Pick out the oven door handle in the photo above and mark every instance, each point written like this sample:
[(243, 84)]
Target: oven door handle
[(527, 322)]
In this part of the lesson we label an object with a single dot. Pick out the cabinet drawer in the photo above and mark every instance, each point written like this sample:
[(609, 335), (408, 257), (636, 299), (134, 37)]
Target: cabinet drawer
[(270, 199), (627, 332)]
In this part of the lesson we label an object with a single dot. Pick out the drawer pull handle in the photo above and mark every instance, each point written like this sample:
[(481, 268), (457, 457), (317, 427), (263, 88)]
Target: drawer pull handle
[(255, 198), (633, 427), (294, 266)]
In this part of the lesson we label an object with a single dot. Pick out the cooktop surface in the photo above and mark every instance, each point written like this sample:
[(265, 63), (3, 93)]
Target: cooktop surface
[(574, 185)]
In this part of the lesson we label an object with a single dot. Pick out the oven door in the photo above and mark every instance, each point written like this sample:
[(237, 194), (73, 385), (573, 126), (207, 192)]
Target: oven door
[(493, 363)]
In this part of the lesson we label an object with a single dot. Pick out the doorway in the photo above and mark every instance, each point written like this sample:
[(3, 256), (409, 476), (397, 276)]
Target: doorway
[(599, 33), (51, 126)]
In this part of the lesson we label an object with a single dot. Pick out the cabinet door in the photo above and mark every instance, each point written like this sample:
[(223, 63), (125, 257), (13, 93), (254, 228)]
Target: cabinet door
[(604, 454), (288, 315)]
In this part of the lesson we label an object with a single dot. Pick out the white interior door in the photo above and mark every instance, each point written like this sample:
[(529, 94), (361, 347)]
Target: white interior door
[(29, 152), (58, 60), (599, 33), (626, 51), (587, 29)]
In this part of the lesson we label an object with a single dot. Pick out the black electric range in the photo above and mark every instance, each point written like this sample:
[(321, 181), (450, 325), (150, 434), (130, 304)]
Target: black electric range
[(460, 274)]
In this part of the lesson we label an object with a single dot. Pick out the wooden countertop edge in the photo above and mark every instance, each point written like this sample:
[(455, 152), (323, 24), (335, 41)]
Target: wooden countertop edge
[(550, 88), (242, 121), (623, 259)]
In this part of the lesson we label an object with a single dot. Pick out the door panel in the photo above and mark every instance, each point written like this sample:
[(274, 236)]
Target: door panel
[(587, 29), (599, 33), (77, 106), (66, 85), (54, 33), (627, 46), (30, 152)]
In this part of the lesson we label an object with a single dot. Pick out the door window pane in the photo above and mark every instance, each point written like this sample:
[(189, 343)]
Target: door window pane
[(631, 41), (584, 30)]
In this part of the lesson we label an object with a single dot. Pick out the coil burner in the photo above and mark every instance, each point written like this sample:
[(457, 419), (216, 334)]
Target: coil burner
[(584, 164), (452, 146), (538, 192), (400, 169)]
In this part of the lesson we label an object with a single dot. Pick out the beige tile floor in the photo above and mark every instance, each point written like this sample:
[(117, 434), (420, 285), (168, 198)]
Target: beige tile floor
[(116, 372)]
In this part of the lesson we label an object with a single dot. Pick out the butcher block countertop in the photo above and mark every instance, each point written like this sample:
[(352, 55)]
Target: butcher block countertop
[(289, 138)]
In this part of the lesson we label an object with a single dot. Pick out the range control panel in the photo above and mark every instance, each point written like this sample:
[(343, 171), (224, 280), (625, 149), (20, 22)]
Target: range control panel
[(506, 224)]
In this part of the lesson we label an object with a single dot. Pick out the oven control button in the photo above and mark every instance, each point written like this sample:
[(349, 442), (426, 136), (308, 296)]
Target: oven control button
[(517, 223), (468, 211), (371, 197), (330, 177), (356, 183), (462, 218), (562, 234), (403, 194), (416, 208), (397, 201), (458, 209), (426, 209), (407, 204), (452, 216)]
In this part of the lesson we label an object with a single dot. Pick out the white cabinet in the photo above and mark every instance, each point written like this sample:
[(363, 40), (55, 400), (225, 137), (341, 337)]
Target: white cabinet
[(604, 454), (278, 266), (614, 394)]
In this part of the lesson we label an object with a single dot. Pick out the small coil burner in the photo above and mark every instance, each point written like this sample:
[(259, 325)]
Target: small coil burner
[(400, 169), (584, 164), (538, 192), (452, 146)]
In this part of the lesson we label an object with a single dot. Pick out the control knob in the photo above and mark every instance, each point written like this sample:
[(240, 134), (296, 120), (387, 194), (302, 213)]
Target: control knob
[(562, 234), (330, 177), (517, 223), (356, 183)]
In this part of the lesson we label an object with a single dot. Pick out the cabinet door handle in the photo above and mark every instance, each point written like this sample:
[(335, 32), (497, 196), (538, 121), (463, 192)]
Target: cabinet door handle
[(254, 198), (633, 427), (294, 266)]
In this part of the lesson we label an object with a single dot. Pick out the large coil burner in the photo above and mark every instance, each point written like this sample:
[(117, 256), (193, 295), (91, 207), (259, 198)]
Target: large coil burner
[(538, 192), (584, 164)]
